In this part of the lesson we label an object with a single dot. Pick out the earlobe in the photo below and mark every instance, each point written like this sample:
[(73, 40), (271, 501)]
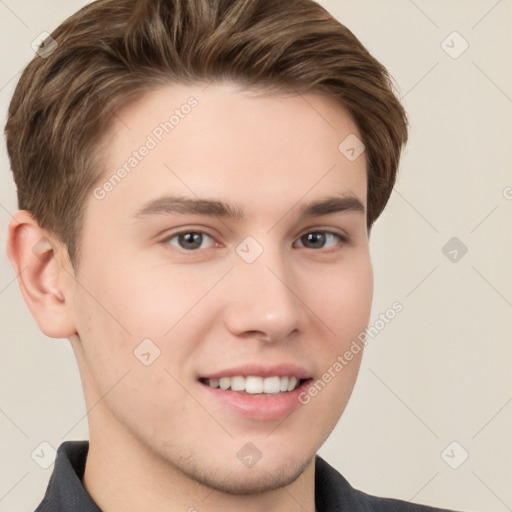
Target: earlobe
[(33, 256)]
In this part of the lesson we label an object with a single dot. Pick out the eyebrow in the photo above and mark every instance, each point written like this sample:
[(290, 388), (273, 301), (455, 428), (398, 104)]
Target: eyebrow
[(215, 208)]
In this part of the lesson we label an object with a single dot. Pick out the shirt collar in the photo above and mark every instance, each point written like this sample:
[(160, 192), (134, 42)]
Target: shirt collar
[(65, 490)]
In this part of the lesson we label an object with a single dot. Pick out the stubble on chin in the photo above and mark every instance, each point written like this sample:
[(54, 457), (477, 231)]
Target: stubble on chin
[(247, 481)]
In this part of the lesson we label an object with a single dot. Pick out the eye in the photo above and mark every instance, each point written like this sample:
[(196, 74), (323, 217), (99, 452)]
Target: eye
[(319, 239), (189, 240)]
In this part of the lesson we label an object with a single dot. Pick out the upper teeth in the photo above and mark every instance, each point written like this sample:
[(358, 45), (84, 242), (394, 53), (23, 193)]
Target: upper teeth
[(254, 384)]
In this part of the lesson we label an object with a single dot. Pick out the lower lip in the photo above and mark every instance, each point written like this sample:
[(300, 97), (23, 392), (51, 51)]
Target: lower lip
[(259, 407)]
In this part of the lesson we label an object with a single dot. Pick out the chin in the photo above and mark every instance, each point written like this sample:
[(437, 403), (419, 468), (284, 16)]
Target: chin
[(237, 479), (255, 480)]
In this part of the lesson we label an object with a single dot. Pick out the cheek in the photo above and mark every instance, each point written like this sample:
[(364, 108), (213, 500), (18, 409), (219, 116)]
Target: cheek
[(346, 309), (112, 359), (344, 303), (349, 308), (127, 310), (133, 301)]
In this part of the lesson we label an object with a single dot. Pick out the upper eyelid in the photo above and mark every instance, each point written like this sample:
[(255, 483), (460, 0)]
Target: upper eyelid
[(344, 238), (185, 231)]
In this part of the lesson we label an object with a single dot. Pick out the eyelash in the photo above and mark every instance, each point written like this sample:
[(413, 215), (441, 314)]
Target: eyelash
[(343, 239)]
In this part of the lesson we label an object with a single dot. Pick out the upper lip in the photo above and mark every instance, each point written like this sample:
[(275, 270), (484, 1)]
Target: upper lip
[(261, 370)]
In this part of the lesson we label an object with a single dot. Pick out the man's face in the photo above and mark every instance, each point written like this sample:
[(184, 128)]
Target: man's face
[(168, 301)]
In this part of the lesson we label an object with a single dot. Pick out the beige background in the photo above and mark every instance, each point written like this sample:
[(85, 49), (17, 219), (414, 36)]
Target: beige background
[(441, 370)]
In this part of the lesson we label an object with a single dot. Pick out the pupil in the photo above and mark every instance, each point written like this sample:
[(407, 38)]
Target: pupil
[(189, 239)]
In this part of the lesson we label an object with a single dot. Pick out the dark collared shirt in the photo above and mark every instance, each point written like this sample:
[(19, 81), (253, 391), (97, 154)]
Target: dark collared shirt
[(65, 492)]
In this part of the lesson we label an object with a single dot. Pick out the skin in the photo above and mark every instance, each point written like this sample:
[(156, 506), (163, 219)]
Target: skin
[(157, 440)]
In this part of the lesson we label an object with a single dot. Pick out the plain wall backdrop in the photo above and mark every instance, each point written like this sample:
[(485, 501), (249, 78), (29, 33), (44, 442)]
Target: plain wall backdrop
[(431, 415)]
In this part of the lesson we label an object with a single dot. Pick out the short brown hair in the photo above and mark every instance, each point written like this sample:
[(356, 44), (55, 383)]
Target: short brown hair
[(112, 51)]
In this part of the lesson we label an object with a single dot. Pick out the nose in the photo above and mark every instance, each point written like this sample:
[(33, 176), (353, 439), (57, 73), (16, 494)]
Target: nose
[(265, 299)]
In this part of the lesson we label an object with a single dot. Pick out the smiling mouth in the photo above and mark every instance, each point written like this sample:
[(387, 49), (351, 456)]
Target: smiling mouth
[(255, 385)]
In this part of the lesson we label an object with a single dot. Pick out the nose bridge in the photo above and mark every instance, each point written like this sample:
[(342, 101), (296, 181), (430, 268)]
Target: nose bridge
[(264, 299)]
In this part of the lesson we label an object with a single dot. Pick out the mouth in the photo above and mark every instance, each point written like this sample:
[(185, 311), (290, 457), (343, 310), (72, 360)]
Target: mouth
[(257, 392), (255, 385)]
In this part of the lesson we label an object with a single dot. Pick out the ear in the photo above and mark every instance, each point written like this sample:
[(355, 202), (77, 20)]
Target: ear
[(36, 258)]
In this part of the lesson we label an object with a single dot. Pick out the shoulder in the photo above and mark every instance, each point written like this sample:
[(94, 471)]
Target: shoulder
[(377, 504), (333, 493)]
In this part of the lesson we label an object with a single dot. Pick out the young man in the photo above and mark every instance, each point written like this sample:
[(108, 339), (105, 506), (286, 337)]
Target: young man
[(197, 181)]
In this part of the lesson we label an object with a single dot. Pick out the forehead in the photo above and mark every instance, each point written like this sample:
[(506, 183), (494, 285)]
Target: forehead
[(246, 147)]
